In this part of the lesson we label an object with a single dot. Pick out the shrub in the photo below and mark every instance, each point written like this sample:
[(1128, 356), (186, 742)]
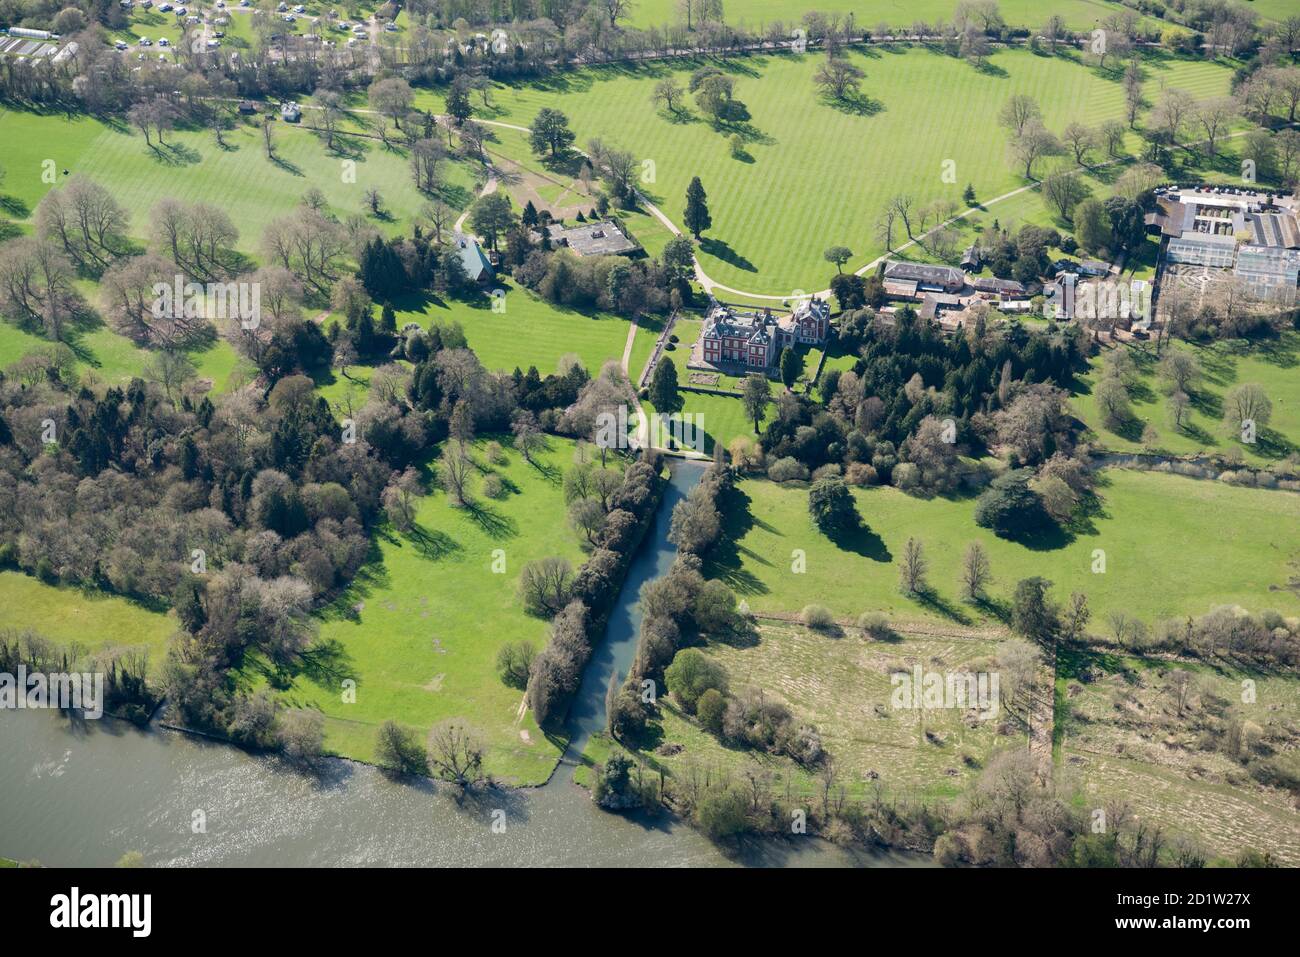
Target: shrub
[(496, 454), (817, 617), (787, 470), (860, 473), (493, 487), (691, 674), (875, 626), (709, 709)]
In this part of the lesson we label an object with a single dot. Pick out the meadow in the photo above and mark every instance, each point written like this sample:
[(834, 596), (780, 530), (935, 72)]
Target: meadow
[(1162, 558), (238, 179), (1078, 14), (1122, 737), (432, 615), (843, 687), (812, 173), (1272, 364), (91, 619)]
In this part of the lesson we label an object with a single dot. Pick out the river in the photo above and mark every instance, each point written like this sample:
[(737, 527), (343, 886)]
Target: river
[(84, 794)]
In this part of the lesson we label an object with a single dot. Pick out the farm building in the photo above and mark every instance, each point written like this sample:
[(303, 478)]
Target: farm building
[(927, 278), (604, 238)]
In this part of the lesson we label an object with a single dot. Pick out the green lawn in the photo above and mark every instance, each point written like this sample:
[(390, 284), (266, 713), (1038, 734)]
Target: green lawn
[(523, 329), (92, 619), (239, 179), (815, 174), (1163, 558), (1275, 365), (720, 417), (433, 616), (1078, 14)]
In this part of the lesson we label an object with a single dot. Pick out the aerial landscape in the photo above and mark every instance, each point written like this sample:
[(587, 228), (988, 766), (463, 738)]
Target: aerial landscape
[(634, 433)]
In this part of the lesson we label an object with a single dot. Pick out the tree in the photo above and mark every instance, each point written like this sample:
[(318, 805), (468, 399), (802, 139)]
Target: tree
[(1246, 407), (839, 79), (1034, 142), (696, 523), (1172, 113), (1018, 112), (492, 217), (529, 439), (790, 366), (831, 506), (1113, 402), (756, 396), (545, 585), (912, 568), (1081, 140), (1134, 101), (838, 255), (691, 674), (459, 107), (1092, 226), (1181, 370), (456, 468), (1033, 614), (455, 753), (1009, 506), (663, 385), (398, 750), (514, 661), (1064, 191), (697, 217), (669, 94), (300, 734), (1215, 115), (976, 573), (551, 131)]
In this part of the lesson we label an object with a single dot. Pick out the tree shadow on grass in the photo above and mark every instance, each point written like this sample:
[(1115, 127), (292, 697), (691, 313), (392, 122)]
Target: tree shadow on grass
[(285, 165), (855, 104), (723, 251), (933, 601), (726, 560), (494, 524), (862, 541), (433, 544), (326, 663)]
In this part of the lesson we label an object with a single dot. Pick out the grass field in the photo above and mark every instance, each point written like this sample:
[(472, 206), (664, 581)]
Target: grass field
[(525, 330), (239, 179), (1162, 556), (843, 687), (814, 174), (1123, 737), (1275, 365), (91, 619), (433, 615), (1078, 14)]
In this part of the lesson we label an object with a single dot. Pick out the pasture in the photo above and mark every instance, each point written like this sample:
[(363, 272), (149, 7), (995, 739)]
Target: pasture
[(813, 173), (1162, 557), (1227, 363), (419, 628), (94, 620)]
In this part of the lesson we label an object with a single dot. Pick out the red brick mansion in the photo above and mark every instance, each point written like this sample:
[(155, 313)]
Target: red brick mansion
[(732, 337)]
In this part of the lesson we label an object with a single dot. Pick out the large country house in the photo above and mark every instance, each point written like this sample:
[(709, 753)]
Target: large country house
[(755, 340)]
